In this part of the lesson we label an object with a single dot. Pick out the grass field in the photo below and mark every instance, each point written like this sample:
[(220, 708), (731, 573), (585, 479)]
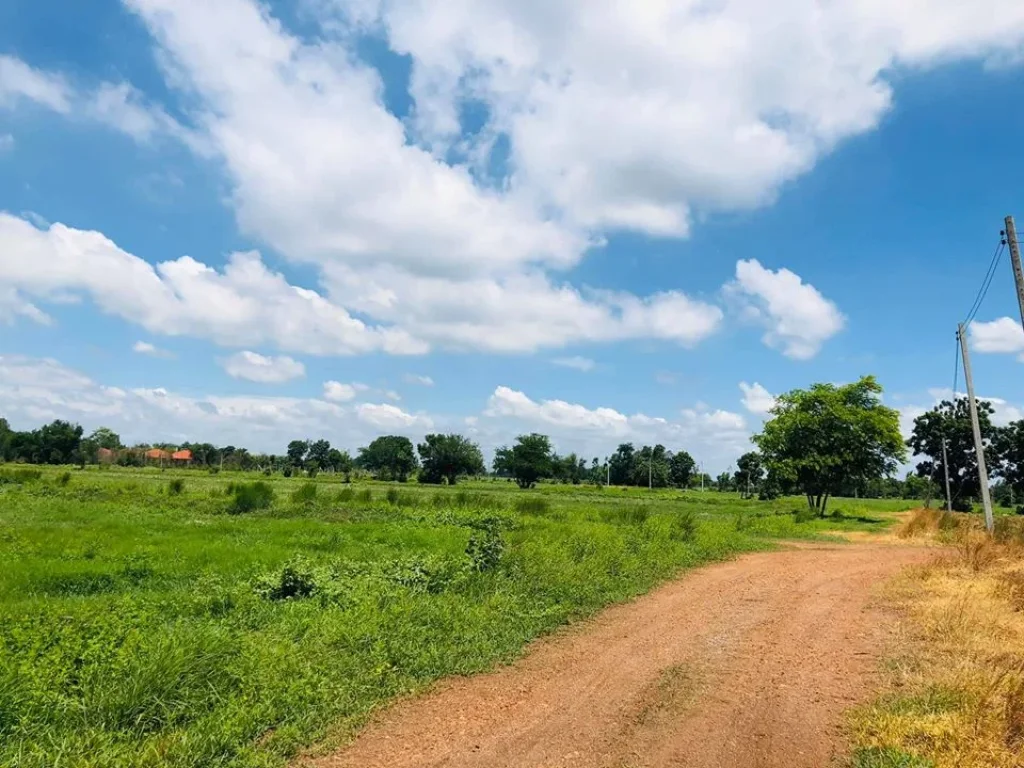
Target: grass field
[(153, 618)]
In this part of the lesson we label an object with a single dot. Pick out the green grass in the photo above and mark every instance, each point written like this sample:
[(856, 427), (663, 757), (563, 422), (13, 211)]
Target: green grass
[(145, 622)]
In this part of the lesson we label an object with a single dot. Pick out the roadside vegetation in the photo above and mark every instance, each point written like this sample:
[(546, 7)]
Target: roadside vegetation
[(174, 618), (954, 693)]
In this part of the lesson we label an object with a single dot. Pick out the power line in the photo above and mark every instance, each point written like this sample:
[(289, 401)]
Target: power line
[(986, 283)]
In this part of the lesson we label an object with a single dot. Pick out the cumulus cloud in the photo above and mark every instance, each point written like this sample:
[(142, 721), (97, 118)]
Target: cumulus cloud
[(715, 437), (260, 368), (1004, 335), (34, 391), (337, 392), (145, 348), (245, 304), (756, 398), (798, 318), (423, 381), (578, 363)]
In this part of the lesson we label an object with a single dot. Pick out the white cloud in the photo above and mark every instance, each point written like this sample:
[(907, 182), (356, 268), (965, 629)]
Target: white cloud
[(117, 105), (12, 306), (145, 348), (260, 368), (798, 318), (245, 304), (756, 398), (715, 437), (337, 392), (6, 142), (584, 364), (1004, 335), (386, 416), (34, 391), (424, 381)]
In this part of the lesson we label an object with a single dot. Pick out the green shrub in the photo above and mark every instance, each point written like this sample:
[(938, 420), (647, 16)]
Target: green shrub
[(312, 472), (634, 514), (392, 496), (532, 505), (21, 476), (175, 487), (287, 471), (365, 496), (803, 515), (683, 526), (346, 494), (486, 545), (63, 479), (250, 497), (305, 494), (294, 580)]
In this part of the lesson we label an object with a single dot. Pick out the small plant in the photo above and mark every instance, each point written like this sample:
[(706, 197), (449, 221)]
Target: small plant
[(312, 472), (803, 515), (365, 496), (287, 471), (250, 497), (305, 494), (392, 496), (295, 580), (268, 472), (486, 546), (214, 470), (175, 487), (742, 520), (346, 494), (684, 526), (63, 479)]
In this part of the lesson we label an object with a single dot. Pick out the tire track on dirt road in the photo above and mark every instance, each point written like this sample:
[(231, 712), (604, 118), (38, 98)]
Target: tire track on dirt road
[(748, 663)]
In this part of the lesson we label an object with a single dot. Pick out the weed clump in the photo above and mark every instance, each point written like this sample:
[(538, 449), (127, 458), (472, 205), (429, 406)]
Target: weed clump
[(486, 545), (21, 476), (294, 580), (250, 497), (63, 479), (175, 487), (305, 494), (683, 526)]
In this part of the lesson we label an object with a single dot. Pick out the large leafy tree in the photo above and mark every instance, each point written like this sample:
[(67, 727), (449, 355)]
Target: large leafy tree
[(621, 464), (528, 461), (680, 469), (445, 457), (1008, 444), (319, 454), (828, 437), (390, 457), (952, 421), (651, 465), (749, 473), (339, 461), (296, 452)]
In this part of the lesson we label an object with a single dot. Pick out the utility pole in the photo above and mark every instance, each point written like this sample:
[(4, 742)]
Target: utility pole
[(1018, 273), (945, 471), (650, 466), (702, 477), (608, 470), (979, 446)]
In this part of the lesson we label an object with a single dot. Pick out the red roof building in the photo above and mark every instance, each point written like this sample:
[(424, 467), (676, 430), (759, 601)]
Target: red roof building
[(157, 455), (185, 455)]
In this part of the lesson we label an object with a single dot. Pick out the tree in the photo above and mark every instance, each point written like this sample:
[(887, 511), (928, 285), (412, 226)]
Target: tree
[(339, 461), (6, 435), (390, 458), (651, 465), (829, 436), (445, 457), (58, 442), (319, 453), (297, 452), (528, 461), (952, 421), (749, 473), (1008, 444), (680, 469), (621, 464), (724, 482), (104, 437)]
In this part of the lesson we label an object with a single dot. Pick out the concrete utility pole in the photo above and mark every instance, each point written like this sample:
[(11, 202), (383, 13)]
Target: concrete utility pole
[(1018, 273), (650, 466), (979, 446), (945, 471)]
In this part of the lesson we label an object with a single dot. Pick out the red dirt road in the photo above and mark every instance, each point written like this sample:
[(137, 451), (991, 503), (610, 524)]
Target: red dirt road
[(745, 664)]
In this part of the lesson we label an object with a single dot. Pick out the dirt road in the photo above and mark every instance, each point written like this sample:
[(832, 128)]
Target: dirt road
[(746, 664)]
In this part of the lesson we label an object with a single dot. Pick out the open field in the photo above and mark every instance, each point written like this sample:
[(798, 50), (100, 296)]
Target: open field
[(954, 693), (143, 624)]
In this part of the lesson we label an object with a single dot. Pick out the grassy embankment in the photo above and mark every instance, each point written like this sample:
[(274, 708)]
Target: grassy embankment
[(144, 624), (954, 693)]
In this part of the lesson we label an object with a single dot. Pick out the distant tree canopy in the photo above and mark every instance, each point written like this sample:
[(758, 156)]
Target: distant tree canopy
[(749, 473), (681, 467), (828, 437), (952, 421), (389, 458), (445, 457), (527, 461)]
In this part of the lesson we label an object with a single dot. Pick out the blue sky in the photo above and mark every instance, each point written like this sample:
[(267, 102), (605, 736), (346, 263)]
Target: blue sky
[(498, 219)]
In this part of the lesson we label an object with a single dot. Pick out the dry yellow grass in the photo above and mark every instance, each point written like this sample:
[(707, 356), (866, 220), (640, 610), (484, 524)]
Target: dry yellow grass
[(955, 680)]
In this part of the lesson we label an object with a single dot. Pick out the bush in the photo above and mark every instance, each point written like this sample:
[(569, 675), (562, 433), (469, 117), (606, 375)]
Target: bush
[(294, 580), (684, 526), (346, 494), (21, 476), (312, 472), (392, 496), (175, 487), (532, 505), (250, 497), (214, 470), (305, 494), (486, 545), (63, 479), (287, 471), (803, 515), (635, 514), (365, 496)]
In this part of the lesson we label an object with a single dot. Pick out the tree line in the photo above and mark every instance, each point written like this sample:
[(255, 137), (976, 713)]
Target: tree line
[(825, 441)]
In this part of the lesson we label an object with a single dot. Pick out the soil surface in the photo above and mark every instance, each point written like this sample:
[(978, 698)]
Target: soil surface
[(744, 664)]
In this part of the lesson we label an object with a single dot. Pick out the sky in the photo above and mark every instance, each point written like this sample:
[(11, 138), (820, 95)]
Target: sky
[(246, 223)]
